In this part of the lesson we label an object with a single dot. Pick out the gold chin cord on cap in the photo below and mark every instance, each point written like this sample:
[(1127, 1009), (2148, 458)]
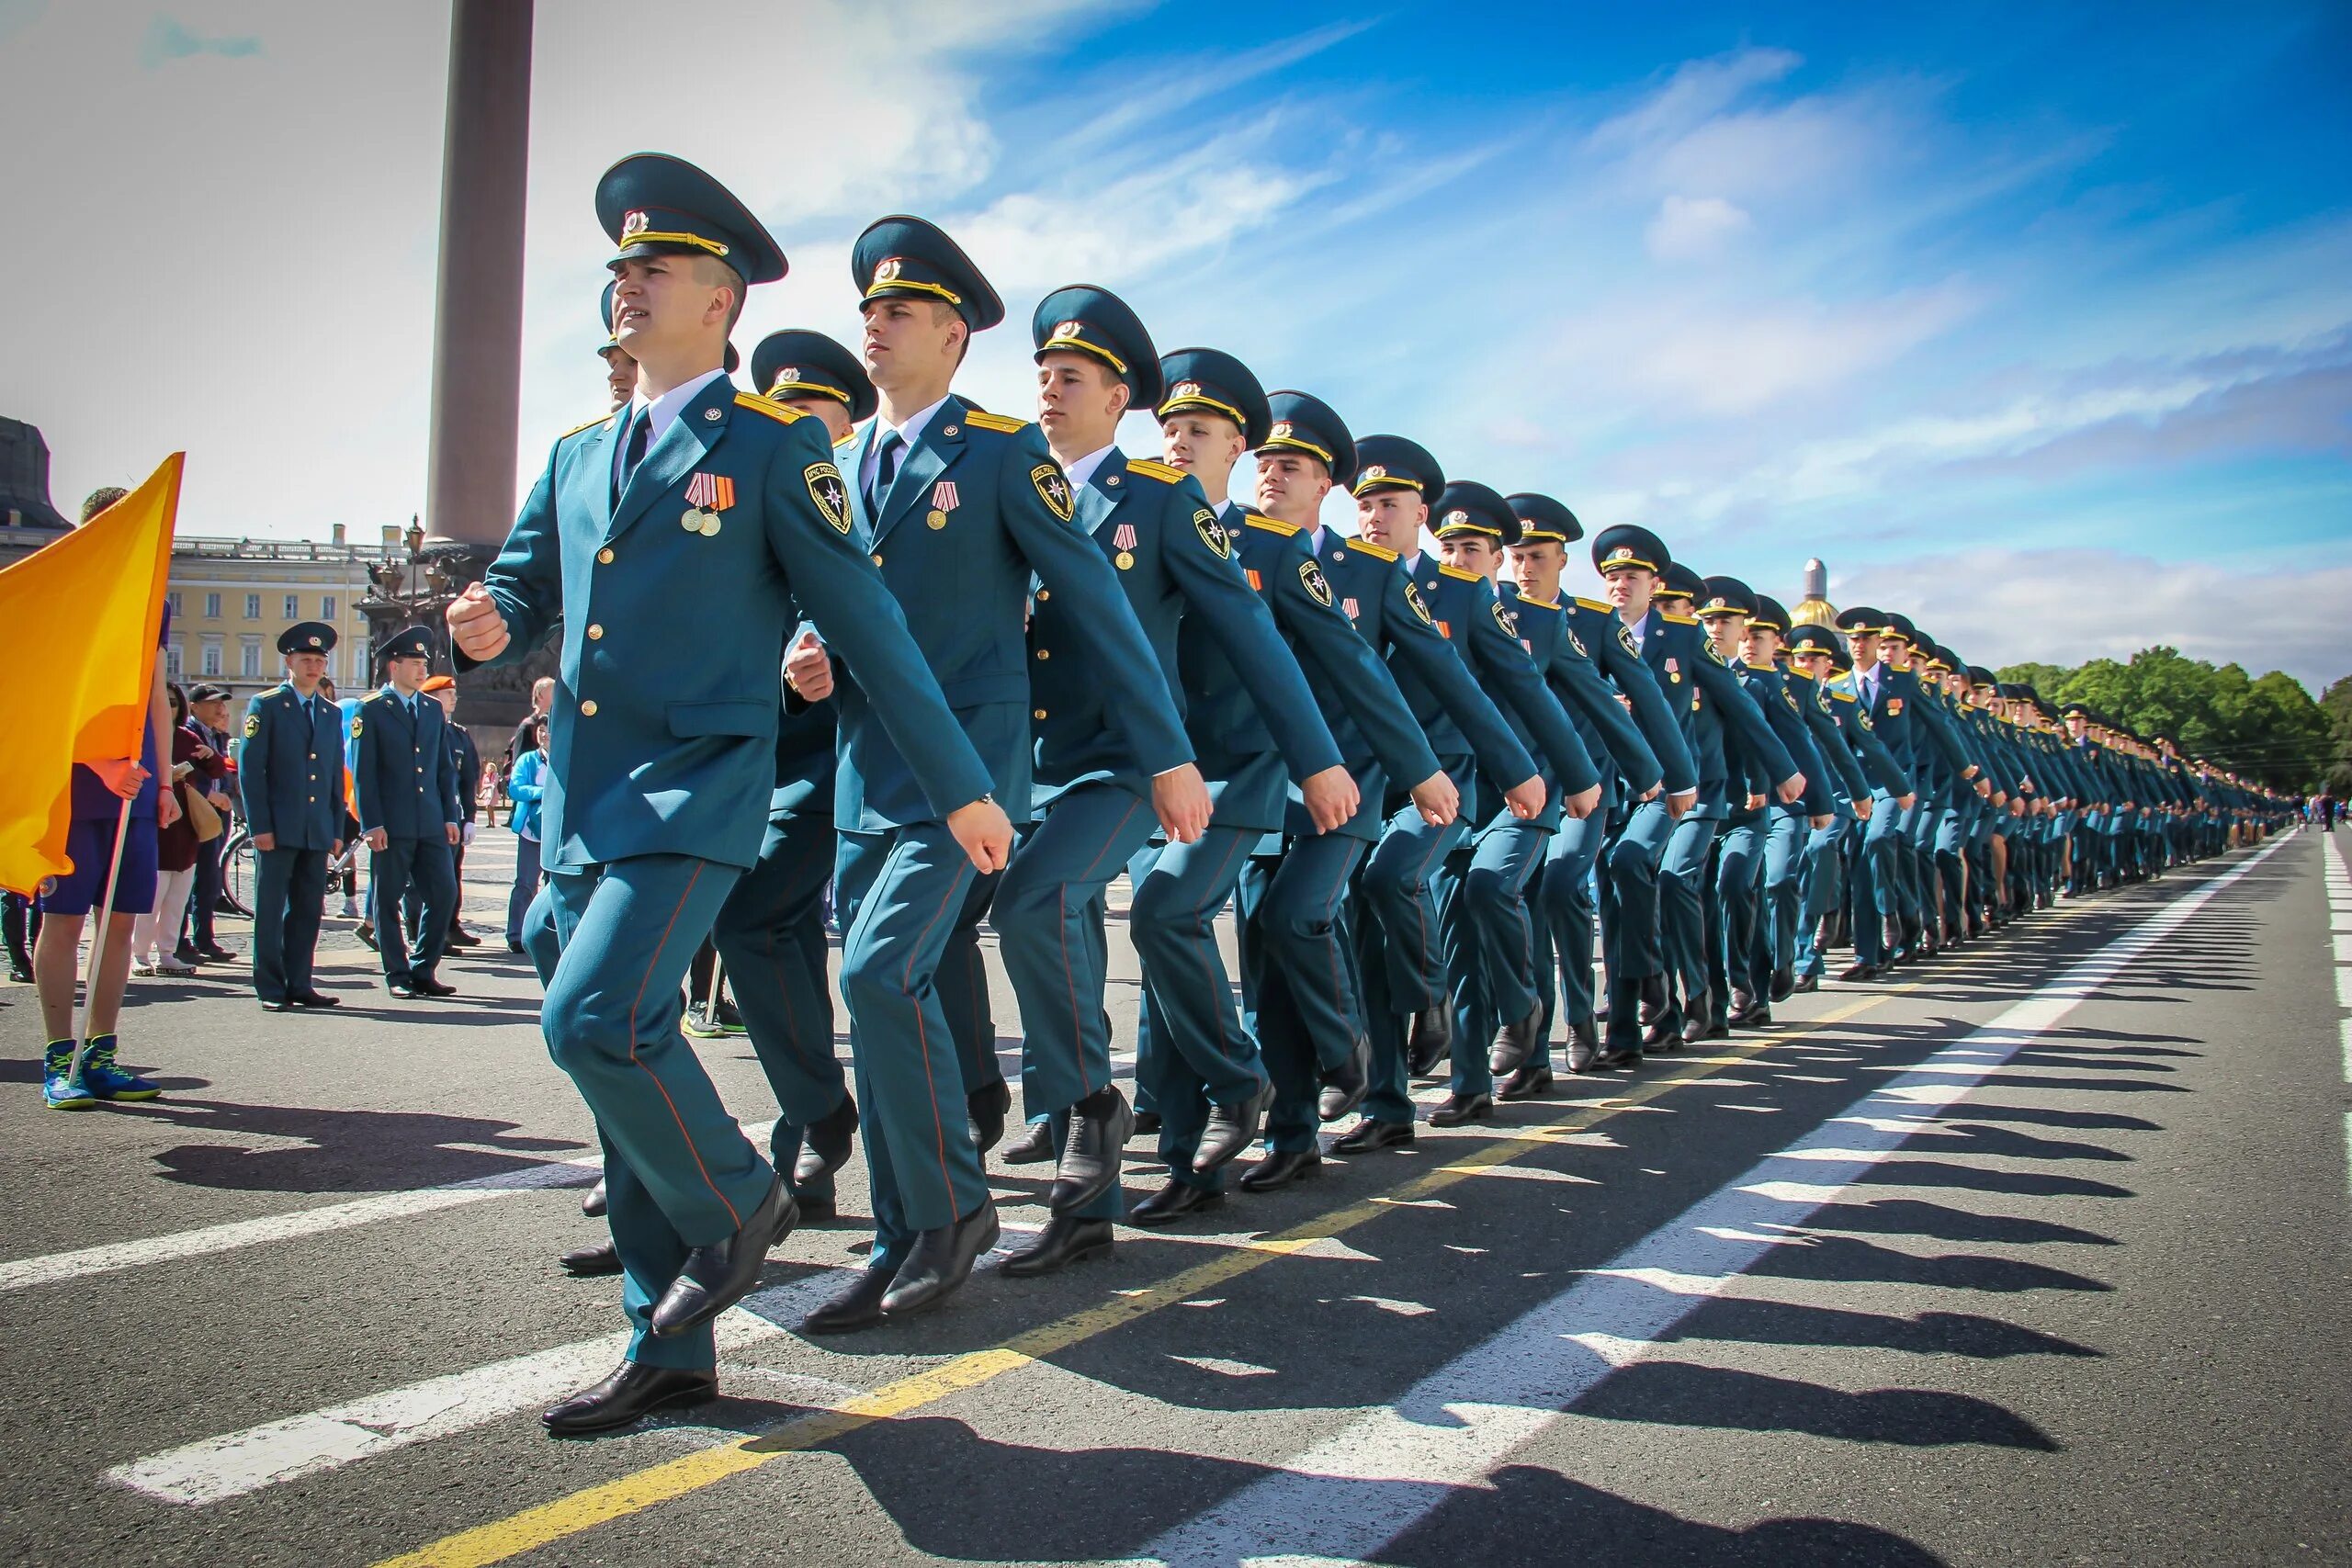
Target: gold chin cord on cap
[(654, 237), (1100, 353), (879, 283)]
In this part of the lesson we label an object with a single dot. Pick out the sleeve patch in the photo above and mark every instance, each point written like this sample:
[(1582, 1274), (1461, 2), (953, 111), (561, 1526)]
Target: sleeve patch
[(1054, 490), (776, 411), (253, 725), (1413, 597), (1212, 532), (1578, 643), (831, 494), (1505, 619), (1316, 584), (1625, 640), (358, 720)]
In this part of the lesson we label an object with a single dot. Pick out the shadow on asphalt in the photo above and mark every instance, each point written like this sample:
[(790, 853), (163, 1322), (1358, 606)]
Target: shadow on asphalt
[(341, 1151)]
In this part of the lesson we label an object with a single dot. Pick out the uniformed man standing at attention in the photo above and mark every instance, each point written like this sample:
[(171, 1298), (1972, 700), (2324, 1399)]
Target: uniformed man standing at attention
[(290, 774), (404, 792), (961, 509), (675, 547)]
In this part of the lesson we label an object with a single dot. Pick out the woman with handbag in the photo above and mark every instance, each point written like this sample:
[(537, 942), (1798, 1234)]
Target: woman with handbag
[(155, 936)]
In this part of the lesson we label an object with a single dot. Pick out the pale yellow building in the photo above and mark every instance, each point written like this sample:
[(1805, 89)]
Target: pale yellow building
[(230, 598)]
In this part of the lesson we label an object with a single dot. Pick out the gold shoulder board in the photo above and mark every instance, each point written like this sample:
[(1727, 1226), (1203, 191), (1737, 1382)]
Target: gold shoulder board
[(996, 422), (776, 411)]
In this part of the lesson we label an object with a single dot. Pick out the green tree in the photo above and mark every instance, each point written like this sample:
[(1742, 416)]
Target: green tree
[(2337, 703), (2266, 727)]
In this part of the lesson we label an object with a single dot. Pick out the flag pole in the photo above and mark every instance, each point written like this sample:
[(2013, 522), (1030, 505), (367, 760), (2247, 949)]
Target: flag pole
[(98, 941)]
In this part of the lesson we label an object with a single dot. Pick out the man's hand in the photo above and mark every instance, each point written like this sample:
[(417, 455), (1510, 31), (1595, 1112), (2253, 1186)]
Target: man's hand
[(1437, 800), (454, 834), (1818, 823), (335, 849), (1863, 806), (1968, 773), (204, 754), (1582, 804), (1526, 799), (377, 839), (985, 832), (167, 808), (1984, 787), (809, 668), (475, 624), (1791, 789), (2017, 805), (124, 775), (1677, 805), (1907, 801), (1650, 794), (1754, 802), (1330, 797), (1181, 796), (220, 799), (265, 843), (465, 832)]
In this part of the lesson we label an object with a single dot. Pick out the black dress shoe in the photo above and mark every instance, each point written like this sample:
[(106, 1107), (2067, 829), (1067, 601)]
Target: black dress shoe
[(216, 954), (1064, 1241), (1525, 1084), (1034, 1144), (1784, 983), (314, 999), (22, 974), (187, 955), (1584, 1044), (587, 1262), (1231, 1129), (939, 1261), (1100, 1126), (367, 935), (280, 1006), (716, 1277), (634, 1392), (458, 936), (1757, 1014), (427, 985), (1174, 1203), (1662, 1033), (1432, 1038), (1279, 1169), (1653, 989), (1857, 971), (1702, 1019), (1369, 1135), (858, 1307), (1740, 1002), (1146, 1121), (594, 1204), (1461, 1107), (1514, 1043), (825, 1143), (1619, 1056), (514, 946), (1345, 1085), (984, 1111), (1808, 981), (402, 990)]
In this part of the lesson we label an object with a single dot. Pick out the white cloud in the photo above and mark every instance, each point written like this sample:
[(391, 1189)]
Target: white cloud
[(1694, 227)]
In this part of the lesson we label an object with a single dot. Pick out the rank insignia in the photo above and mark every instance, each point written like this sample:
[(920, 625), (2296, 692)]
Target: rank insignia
[(253, 725), (1213, 532), (1413, 597), (1054, 490), (832, 496), (1310, 576)]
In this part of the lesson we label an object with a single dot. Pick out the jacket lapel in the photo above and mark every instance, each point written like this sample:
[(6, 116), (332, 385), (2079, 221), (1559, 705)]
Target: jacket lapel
[(1098, 500), (941, 443), (689, 438)]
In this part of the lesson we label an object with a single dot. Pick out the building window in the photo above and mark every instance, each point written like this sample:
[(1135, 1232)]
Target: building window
[(212, 611), (213, 658), (249, 659), (326, 608), (293, 607), (174, 596), (172, 657)]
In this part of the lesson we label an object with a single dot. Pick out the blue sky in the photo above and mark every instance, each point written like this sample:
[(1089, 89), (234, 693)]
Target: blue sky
[(2033, 322)]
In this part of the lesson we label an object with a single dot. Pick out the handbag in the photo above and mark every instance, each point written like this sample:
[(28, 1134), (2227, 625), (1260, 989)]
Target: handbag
[(202, 816)]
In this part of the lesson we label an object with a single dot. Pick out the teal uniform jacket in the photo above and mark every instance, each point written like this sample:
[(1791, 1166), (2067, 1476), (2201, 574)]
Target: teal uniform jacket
[(1845, 779), (1456, 716), (403, 781), (662, 737), (1177, 560), (290, 772), (977, 508), (1472, 616), (1380, 741), (1712, 700), (1607, 731), (1603, 635), (1779, 704), (806, 739)]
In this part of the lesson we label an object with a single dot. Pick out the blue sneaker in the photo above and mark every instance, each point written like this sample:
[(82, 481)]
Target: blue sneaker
[(101, 1078), (60, 1089)]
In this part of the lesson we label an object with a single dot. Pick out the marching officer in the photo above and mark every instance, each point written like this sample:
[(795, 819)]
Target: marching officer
[(404, 790), (290, 774), (675, 547)]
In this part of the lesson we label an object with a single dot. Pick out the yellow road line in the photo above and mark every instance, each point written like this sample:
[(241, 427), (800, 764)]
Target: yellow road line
[(582, 1510)]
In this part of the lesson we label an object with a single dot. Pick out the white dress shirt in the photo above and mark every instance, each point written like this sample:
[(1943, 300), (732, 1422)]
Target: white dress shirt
[(1083, 469), (910, 432), (659, 415)]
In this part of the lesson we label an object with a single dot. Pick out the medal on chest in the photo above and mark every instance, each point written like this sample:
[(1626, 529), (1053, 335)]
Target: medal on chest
[(707, 496)]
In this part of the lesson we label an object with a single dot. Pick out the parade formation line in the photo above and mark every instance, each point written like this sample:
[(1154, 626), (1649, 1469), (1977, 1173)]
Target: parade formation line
[(1930, 1083)]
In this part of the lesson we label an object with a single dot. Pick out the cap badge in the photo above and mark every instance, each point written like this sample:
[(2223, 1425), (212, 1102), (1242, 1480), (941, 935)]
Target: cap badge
[(886, 271), (1376, 472), (1281, 431), (1456, 518), (1068, 329), (635, 223), (1622, 553), (1188, 389)]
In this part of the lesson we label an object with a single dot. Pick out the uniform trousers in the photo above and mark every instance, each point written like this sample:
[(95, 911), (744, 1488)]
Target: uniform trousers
[(1822, 883), (425, 864), (1490, 945), (1300, 982), (1630, 942), (1787, 834), (1565, 907), (289, 890), (1400, 945), (1682, 908)]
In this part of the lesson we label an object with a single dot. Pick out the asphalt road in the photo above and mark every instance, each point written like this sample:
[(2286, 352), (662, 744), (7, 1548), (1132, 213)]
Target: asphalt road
[(2042, 1255)]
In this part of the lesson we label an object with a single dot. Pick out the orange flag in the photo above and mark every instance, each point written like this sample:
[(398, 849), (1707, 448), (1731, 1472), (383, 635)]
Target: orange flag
[(78, 620)]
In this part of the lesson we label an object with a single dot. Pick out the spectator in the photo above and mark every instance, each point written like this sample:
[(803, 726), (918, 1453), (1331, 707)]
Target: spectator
[(20, 927), (525, 785), (154, 939), (542, 703), (208, 706), (343, 870)]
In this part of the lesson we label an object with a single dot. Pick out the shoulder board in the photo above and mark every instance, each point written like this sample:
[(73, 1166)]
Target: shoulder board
[(978, 420), (378, 695), (1678, 620), (1460, 576), (1595, 605), (1539, 604), (1841, 694), (1378, 552), (578, 428), (1271, 525), (844, 438), (275, 691), (1150, 469), (776, 411)]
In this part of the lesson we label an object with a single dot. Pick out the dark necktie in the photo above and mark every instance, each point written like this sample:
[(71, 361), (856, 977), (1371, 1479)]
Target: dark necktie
[(886, 468), (641, 430)]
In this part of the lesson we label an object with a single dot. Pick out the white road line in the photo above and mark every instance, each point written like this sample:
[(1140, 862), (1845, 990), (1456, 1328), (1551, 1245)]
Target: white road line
[(1344, 1498), (50, 1269), (216, 1469)]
